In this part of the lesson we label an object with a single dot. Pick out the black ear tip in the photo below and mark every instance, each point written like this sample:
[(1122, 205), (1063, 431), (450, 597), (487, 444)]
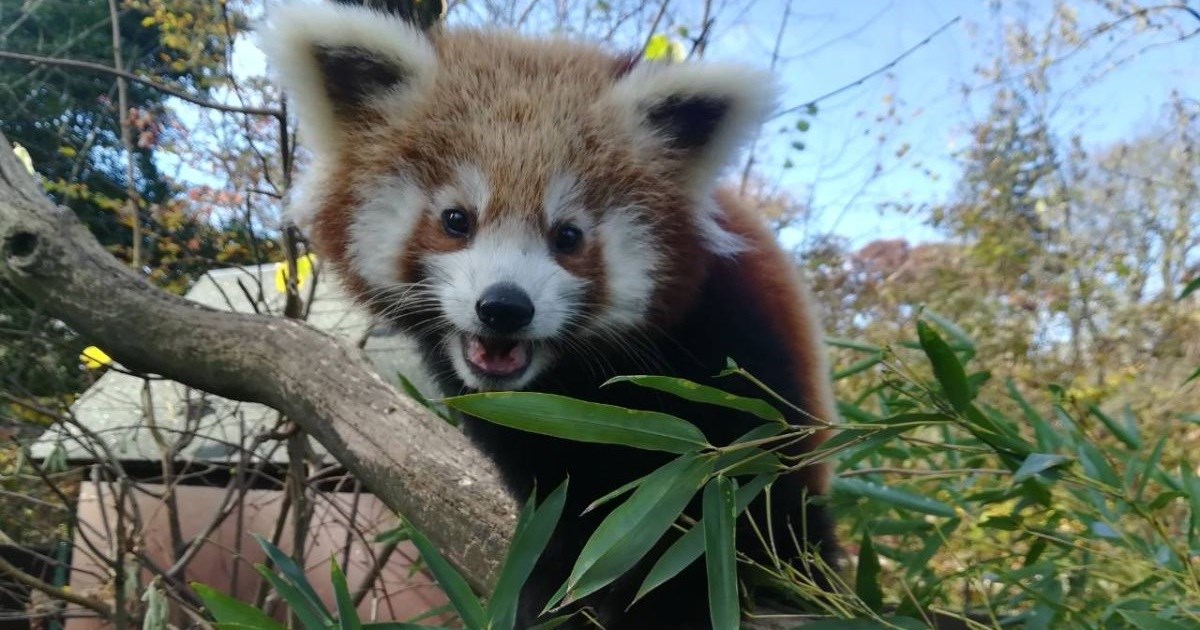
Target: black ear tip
[(353, 74), (688, 122)]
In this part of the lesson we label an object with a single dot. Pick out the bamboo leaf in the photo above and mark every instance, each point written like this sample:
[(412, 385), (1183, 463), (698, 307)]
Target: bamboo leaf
[(294, 574), (1121, 432), (312, 617), (347, 613), (690, 546), (866, 580), (719, 555), (695, 392), (1037, 463), (632, 529), (536, 525), (466, 604), (893, 496), (567, 418), (946, 367), (229, 611)]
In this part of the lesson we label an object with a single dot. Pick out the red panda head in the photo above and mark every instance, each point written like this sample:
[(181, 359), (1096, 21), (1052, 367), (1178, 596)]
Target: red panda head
[(506, 199)]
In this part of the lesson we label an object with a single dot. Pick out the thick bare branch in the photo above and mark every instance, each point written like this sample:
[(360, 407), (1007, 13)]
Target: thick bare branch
[(411, 459)]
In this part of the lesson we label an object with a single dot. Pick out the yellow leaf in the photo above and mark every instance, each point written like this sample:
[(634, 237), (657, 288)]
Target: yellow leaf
[(148, 21), (663, 48), (304, 267), (23, 155), (94, 358), (67, 151)]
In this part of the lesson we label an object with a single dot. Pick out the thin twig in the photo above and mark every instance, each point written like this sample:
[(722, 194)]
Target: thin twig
[(870, 75), (96, 67), (24, 579)]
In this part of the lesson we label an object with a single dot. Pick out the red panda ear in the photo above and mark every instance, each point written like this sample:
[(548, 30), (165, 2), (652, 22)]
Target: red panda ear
[(345, 66), (700, 113)]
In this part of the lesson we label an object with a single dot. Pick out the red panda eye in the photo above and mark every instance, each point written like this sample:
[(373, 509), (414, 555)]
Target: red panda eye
[(567, 239), (456, 222)]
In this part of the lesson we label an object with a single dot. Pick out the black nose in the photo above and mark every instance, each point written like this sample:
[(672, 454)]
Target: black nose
[(504, 308)]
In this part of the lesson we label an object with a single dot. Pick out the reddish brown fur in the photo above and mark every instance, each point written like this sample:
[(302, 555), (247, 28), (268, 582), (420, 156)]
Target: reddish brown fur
[(778, 286)]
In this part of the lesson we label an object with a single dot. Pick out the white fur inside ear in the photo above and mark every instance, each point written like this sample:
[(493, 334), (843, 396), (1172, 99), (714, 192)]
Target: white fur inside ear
[(748, 95), (295, 32)]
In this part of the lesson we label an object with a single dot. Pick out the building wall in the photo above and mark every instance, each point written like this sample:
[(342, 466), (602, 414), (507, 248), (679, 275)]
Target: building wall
[(226, 561)]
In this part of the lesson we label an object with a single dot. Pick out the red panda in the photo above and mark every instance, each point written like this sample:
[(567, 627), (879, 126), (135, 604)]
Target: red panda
[(542, 214)]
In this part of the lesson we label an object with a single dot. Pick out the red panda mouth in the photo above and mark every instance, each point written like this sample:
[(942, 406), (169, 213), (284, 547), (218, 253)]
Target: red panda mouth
[(497, 357)]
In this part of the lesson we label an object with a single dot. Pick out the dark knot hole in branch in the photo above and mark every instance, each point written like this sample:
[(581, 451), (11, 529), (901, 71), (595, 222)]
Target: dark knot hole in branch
[(21, 244)]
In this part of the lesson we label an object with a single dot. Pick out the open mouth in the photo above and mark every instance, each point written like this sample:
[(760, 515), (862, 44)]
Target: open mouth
[(497, 357)]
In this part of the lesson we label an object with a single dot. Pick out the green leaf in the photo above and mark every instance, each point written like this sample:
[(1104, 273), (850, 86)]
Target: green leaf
[(720, 557), (227, 610), (1122, 432), (632, 529), (1193, 376), (466, 604), (567, 418), (1037, 463), (1150, 621), (695, 392), (1150, 467), (414, 393), (853, 345), (1047, 438), (1190, 288), (311, 616), (1191, 487), (893, 496), (533, 532), (553, 623), (956, 333), (624, 489), (858, 366), (294, 574), (866, 580), (393, 536), (1096, 465), (946, 367), (1161, 501), (347, 613), (399, 625), (690, 545), (884, 623)]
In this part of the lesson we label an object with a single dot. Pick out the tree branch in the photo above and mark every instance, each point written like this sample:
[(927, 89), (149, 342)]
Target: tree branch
[(28, 581), (166, 89), (412, 460), (874, 73)]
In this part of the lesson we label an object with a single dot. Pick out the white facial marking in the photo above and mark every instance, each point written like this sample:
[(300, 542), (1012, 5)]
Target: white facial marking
[(381, 227), (506, 253), (631, 257)]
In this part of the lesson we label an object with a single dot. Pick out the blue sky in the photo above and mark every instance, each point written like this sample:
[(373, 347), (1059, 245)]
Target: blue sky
[(827, 45)]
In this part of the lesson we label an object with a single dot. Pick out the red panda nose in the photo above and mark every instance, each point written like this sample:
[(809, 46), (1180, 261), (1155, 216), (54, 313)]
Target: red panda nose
[(504, 308)]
